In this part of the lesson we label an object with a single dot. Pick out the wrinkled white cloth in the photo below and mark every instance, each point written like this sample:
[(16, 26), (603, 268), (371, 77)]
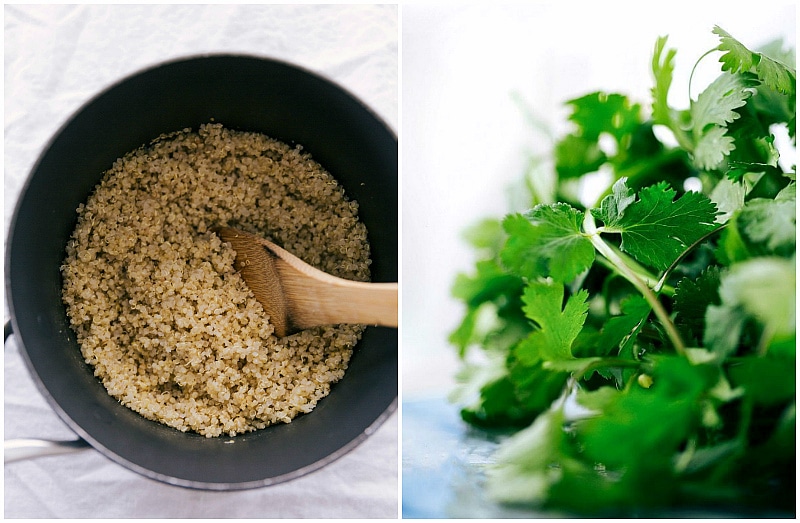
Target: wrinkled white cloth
[(56, 58)]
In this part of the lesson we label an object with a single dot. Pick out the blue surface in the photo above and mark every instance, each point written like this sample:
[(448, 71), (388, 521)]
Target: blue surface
[(443, 465)]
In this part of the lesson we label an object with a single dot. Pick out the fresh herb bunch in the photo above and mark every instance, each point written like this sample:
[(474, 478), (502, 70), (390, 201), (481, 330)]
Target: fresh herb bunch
[(643, 345)]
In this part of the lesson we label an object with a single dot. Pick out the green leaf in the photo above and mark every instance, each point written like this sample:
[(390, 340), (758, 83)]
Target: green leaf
[(490, 290), (760, 288), (738, 58), (576, 156), (717, 104), (706, 457), (557, 327), (523, 471), (712, 147), (640, 429), (535, 387), (656, 229), (692, 298), (617, 328), (498, 406), (547, 242), (768, 381), (486, 234), (489, 282), (598, 113), (663, 67), (770, 226), (711, 114), (728, 196), (724, 326), (613, 206), (761, 227)]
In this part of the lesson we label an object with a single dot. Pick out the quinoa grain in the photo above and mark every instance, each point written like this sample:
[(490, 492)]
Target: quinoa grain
[(168, 326)]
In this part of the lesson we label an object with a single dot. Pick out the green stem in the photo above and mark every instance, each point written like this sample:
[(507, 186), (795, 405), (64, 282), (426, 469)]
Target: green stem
[(608, 362), (625, 271), (689, 249), (641, 272)]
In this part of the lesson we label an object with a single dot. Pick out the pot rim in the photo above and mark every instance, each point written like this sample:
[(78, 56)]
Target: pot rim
[(12, 231)]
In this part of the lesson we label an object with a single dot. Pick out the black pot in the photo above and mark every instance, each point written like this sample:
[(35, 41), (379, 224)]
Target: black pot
[(243, 93)]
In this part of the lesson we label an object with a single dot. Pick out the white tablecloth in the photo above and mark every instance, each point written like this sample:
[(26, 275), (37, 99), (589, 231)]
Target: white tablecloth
[(56, 58)]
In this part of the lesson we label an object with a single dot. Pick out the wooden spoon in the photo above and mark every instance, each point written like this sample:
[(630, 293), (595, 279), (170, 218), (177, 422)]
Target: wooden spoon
[(297, 296)]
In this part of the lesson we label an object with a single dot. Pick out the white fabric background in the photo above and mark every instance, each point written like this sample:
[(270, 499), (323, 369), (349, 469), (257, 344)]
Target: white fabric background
[(56, 58)]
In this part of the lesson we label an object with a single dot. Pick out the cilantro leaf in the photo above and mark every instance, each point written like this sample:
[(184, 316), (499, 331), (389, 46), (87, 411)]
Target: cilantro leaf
[(642, 428), (738, 58), (761, 288), (663, 67), (762, 227), (714, 109), (498, 405), (768, 381), (770, 225), (634, 310), (557, 328), (523, 471), (677, 347), (728, 196), (535, 388), (487, 234), (547, 241), (577, 155), (613, 206), (489, 289), (717, 104), (656, 228), (712, 147), (598, 113), (692, 298)]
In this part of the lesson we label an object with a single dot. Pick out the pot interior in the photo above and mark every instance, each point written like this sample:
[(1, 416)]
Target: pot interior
[(242, 93)]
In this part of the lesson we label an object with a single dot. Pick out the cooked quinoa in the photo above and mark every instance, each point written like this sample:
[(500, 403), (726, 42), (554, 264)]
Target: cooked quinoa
[(167, 324)]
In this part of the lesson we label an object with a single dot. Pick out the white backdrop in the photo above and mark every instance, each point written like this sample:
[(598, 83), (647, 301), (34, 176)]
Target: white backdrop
[(465, 140), (56, 58)]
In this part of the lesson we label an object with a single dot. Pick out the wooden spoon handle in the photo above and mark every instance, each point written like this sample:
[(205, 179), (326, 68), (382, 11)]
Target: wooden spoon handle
[(315, 297), (346, 301)]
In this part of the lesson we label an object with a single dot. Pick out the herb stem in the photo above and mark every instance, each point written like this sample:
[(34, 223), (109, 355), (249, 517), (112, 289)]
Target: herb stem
[(675, 263), (608, 362), (630, 275)]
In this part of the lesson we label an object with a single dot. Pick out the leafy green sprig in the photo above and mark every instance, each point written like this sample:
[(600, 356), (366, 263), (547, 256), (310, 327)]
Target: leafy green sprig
[(646, 342)]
